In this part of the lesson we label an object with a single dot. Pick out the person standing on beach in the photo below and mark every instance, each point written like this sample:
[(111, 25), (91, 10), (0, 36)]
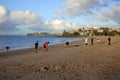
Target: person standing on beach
[(36, 46), (45, 44), (109, 40), (92, 40), (86, 41), (7, 48)]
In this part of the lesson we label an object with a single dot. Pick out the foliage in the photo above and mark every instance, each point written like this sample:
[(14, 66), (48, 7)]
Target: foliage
[(105, 32), (76, 33), (65, 33)]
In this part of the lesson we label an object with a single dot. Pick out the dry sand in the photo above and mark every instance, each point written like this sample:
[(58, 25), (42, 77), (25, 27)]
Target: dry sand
[(61, 62)]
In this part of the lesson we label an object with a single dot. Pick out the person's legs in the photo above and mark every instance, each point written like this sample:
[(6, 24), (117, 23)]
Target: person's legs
[(36, 50), (109, 43), (45, 48)]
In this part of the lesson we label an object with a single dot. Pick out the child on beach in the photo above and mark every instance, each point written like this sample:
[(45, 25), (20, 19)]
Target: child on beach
[(45, 44), (36, 46)]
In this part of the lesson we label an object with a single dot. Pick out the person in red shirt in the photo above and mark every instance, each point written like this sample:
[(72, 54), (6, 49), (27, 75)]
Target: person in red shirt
[(45, 44)]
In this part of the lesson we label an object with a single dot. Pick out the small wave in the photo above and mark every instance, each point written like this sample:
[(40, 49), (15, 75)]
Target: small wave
[(2, 50), (62, 41), (21, 42)]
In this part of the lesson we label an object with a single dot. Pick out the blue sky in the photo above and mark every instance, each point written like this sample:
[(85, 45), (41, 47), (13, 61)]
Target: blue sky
[(41, 7), (23, 16)]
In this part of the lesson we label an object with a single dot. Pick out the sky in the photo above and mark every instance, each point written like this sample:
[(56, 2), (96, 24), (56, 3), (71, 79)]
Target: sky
[(19, 17)]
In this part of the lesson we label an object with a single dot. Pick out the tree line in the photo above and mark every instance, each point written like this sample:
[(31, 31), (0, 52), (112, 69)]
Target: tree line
[(105, 32)]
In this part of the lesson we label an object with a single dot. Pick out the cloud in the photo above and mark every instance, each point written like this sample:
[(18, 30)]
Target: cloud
[(60, 25), (75, 8), (5, 23), (114, 14), (3, 13), (109, 15), (8, 26), (26, 17), (9, 20), (116, 0), (113, 0), (55, 25)]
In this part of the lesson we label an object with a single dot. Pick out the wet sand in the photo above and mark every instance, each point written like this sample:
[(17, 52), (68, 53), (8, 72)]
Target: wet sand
[(74, 62)]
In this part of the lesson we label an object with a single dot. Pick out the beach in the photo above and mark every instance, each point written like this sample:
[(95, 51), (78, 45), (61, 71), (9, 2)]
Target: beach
[(77, 61)]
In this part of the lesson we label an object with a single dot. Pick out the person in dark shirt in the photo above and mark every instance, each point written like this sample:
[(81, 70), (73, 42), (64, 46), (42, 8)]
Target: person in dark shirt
[(7, 48), (36, 46), (91, 40), (67, 43), (109, 40)]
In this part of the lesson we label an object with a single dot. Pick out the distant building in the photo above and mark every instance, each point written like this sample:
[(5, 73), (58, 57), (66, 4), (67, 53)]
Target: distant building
[(100, 30)]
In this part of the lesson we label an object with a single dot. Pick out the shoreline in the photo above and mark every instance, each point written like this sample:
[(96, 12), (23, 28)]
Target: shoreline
[(20, 48), (40, 49), (63, 62), (40, 44)]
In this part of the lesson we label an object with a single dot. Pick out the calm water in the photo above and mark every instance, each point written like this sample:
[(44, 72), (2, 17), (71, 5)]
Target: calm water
[(21, 42)]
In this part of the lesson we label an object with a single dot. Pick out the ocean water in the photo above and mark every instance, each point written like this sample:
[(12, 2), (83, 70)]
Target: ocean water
[(22, 42)]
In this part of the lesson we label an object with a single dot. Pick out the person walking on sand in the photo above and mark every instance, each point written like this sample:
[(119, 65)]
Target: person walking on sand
[(36, 46), (86, 41), (109, 40), (45, 44)]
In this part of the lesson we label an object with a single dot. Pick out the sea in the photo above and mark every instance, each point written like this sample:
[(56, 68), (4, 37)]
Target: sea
[(22, 42)]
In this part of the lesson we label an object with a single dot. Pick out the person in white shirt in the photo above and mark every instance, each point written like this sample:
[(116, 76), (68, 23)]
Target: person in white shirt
[(86, 41)]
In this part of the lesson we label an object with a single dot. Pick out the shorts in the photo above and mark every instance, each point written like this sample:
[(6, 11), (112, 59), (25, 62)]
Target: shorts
[(44, 46), (36, 47)]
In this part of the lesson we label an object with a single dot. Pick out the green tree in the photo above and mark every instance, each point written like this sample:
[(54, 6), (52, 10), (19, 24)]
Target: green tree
[(65, 33), (76, 34), (105, 31)]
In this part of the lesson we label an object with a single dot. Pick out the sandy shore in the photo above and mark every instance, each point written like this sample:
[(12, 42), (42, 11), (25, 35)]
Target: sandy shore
[(83, 62)]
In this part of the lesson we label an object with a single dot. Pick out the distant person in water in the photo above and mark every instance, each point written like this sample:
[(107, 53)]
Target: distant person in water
[(67, 43), (45, 46), (7, 48), (109, 40), (36, 46)]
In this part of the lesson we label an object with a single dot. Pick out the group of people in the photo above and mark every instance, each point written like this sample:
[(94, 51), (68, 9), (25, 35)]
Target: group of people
[(98, 40), (45, 44), (86, 41)]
